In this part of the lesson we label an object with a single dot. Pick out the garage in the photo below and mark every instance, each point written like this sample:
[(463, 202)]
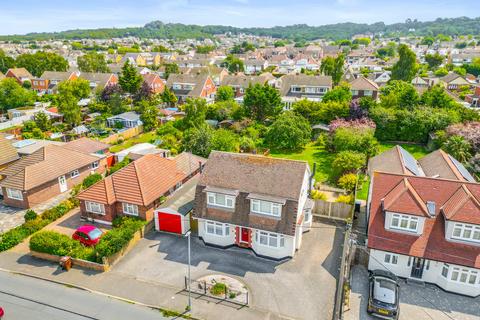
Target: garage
[(173, 215)]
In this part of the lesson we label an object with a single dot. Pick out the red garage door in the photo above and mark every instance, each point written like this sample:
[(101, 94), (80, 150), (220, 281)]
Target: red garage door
[(170, 222)]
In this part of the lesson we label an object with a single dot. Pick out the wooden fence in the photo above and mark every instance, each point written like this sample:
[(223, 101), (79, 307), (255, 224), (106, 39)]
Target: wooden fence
[(127, 134), (333, 210)]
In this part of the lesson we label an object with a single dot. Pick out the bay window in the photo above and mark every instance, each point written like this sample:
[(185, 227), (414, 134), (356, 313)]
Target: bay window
[(460, 274), (404, 222), (14, 194), (220, 200), (95, 207), (131, 209), (217, 228), (466, 232), (266, 207), (270, 239)]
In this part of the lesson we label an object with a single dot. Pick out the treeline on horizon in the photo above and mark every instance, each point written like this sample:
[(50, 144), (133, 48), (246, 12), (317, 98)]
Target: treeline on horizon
[(158, 29)]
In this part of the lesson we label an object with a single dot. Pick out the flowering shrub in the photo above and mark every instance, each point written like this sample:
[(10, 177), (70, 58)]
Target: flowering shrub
[(362, 123), (470, 131)]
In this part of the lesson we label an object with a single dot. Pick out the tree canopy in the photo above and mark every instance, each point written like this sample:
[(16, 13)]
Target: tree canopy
[(93, 62), (41, 61), (262, 102)]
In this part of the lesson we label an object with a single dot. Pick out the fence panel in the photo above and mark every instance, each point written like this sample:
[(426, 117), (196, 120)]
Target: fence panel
[(338, 210)]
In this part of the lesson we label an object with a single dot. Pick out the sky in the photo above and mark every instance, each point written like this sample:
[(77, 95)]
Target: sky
[(23, 16)]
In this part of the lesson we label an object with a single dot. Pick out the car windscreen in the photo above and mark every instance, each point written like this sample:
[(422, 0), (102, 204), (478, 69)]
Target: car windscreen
[(384, 290), (95, 233)]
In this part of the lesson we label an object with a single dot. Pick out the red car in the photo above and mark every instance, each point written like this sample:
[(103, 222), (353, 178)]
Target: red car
[(88, 235), (2, 313)]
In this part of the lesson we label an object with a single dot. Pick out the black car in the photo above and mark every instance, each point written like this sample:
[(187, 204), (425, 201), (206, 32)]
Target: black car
[(384, 298)]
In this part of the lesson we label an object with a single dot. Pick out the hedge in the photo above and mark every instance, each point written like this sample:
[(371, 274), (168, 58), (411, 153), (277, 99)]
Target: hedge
[(16, 235), (112, 242)]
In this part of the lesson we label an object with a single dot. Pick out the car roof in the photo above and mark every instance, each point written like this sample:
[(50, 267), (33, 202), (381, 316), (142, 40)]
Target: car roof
[(384, 273), (86, 228)]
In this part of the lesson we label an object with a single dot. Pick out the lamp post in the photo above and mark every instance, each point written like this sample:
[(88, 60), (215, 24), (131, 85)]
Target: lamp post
[(188, 234)]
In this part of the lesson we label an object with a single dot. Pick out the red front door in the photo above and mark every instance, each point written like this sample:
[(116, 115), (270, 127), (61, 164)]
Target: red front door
[(245, 235)]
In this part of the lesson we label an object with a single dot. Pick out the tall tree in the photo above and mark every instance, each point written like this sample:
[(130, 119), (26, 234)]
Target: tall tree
[(92, 62), (171, 68), (333, 67), (406, 66), (40, 62), (195, 112), (262, 102), (169, 97), (148, 115), (6, 62), (130, 80), (434, 60), (288, 132), (79, 88), (12, 95), (68, 106), (233, 64), (224, 93), (42, 121)]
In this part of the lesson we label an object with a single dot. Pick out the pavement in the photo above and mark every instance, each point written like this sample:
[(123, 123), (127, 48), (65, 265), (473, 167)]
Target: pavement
[(28, 298), (419, 302), (11, 217), (153, 274)]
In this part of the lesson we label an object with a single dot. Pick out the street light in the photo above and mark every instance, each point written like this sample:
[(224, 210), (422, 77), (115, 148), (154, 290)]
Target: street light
[(189, 291)]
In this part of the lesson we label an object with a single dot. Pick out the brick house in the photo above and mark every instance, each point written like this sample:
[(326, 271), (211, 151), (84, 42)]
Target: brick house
[(49, 80), (295, 87), (186, 86), (19, 74), (46, 173), (427, 229), (363, 87), (154, 82), (253, 202), (138, 188)]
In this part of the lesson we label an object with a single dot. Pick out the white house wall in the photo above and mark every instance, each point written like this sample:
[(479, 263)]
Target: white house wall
[(431, 275), (222, 241)]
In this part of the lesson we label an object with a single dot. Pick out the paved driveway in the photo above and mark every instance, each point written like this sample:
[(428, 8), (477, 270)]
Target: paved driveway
[(300, 288), (416, 301)]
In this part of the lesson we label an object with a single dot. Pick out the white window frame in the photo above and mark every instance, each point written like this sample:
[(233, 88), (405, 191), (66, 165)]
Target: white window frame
[(464, 276), (466, 232), (130, 209), (213, 200), (275, 209), (95, 207), (95, 165), (404, 218), (75, 173), (15, 194), (391, 258), (217, 229), (269, 239)]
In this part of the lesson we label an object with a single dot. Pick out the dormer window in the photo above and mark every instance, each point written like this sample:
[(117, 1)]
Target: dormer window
[(404, 222), (220, 200), (265, 207), (466, 232)]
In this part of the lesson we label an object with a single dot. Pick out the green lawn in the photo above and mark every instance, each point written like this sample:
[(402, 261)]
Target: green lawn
[(141, 138), (416, 150), (312, 154)]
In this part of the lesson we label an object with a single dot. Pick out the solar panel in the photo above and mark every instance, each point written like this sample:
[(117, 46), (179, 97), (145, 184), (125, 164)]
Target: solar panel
[(409, 162), (463, 171)]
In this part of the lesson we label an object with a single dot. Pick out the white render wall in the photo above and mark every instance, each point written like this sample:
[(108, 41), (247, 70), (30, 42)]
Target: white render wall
[(432, 275), (214, 239)]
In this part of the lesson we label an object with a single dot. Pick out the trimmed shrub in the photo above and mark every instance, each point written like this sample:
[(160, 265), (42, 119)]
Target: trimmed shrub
[(345, 199), (348, 161), (30, 215), (91, 180), (218, 289), (61, 245), (348, 181), (318, 195)]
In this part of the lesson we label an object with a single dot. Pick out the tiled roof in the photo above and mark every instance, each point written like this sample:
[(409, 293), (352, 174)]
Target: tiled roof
[(404, 199), (44, 165), (254, 174), (8, 153), (431, 244), (198, 80), (438, 164), (20, 73), (141, 182), (86, 145), (303, 80), (362, 83)]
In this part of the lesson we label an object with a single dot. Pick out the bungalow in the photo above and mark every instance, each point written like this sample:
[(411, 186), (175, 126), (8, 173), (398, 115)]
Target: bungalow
[(8, 153), (46, 173), (186, 86), (301, 86), (19, 74), (426, 229), (128, 119), (253, 202), (138, 188)]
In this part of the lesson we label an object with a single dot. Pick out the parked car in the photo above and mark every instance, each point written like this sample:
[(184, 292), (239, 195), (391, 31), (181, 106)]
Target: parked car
[(384, 298), (2, 313), (88, 235)]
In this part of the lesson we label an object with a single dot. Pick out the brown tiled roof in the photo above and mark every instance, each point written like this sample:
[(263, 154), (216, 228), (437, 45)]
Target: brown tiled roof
[(362, 83), (462, 206), (8, 153), (44, 165), (431, 244), (141, 182), (21, 73), (56, 75), (86, 145), (254, 174), (188, 163), (437, 163), (198, 80), (388, 161), (244, 81)]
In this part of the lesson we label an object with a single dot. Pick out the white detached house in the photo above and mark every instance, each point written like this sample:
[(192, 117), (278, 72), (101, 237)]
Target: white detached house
[(253, 202)]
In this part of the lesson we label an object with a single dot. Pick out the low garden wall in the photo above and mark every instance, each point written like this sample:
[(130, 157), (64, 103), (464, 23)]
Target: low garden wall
[(51, 246)]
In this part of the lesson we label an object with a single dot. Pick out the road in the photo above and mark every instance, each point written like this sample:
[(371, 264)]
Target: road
[(27, 298)]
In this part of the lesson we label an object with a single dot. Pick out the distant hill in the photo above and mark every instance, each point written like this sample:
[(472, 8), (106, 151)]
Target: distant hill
[(158, 29)]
